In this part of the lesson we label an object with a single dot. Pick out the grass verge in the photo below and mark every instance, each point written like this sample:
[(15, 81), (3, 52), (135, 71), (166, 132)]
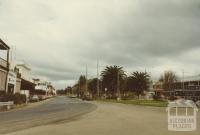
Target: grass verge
[(138, 102)]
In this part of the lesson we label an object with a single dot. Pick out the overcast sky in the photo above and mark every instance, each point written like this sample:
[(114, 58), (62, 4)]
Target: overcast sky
[(58, 38)]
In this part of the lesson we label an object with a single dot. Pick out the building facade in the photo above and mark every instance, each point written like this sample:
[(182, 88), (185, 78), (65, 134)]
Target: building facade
[(42, 86), (24, 79), (25, 71), (11, 82), (4, 66), (18, 80), (189, 88)]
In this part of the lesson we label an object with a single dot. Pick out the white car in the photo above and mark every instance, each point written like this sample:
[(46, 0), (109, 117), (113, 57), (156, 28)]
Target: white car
[(34, 98)]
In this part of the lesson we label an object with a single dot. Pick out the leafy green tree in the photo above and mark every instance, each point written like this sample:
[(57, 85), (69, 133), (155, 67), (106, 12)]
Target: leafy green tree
[(92, 87), (75, 89), (110, 78), (68, 90), (168, 79), (81, 85)]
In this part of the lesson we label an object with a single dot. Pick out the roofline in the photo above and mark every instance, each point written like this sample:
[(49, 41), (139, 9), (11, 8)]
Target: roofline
[(23, 65), (4, 44)]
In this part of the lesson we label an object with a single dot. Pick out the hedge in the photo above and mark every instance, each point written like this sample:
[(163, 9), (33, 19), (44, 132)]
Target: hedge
[(17, 98)]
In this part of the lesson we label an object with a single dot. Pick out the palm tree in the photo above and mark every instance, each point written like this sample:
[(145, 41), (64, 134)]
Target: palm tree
[(111, 75), (168, 79), (139, 82)]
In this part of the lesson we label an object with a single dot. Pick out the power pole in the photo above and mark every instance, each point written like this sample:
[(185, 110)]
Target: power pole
[(98, 94), (15, 53), (86, 83), (79, 89), (11, 54), (118, 87), (183, 80)]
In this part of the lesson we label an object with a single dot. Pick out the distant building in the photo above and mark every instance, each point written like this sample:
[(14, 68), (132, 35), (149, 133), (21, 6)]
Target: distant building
[(11, 82), (44, 86), (4, 66), (51, 90), (188, 89), (158, 88), (24, 72), (36, 80)]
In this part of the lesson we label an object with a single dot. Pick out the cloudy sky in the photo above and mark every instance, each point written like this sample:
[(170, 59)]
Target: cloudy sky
[(58, 38)]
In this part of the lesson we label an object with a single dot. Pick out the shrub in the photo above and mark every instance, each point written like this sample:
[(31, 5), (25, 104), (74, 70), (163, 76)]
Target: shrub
[(19, 98), (156, 97), (172, 98), (6, 98)]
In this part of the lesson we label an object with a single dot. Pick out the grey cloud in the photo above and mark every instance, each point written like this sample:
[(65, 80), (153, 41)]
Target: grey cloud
[(152, 36), (59, 38), (54, 74)]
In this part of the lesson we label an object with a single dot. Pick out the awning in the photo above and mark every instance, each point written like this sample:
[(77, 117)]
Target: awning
[(27, 85)]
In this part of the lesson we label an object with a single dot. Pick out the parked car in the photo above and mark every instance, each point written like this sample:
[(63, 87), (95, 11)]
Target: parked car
[(40, 97), (34, 98), (87, 98), (73, 96)]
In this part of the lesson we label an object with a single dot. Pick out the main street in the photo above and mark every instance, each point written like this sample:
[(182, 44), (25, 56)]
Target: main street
[(56, 110)]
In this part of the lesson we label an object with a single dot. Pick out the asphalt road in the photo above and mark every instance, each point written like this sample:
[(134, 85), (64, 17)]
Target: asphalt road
[(56, 110), (113, 119)]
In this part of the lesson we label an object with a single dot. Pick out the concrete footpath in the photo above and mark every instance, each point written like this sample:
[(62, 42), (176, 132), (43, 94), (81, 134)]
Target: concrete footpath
[(22, 106), (113, 119)]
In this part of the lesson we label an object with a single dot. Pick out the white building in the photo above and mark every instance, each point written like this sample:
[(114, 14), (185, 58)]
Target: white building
[(4, 66), (11, 82), (26, 86), (25, 71), (45, 86), (42, 86)]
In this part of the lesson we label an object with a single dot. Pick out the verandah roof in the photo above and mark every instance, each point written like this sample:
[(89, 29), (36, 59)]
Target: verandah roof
[(26, 85), (3, 45)]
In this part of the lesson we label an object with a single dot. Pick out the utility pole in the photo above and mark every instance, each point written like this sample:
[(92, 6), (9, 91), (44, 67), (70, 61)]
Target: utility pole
[(118, 87), (79, 89), (11, 54), (86, 83), (98, 94), (183, 80), (15, 53)]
